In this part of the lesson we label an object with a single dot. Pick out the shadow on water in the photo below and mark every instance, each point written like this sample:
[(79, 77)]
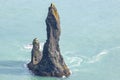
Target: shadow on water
[(13, 67)]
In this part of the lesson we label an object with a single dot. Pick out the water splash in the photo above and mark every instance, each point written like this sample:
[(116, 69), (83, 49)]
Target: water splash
[(30, 46)]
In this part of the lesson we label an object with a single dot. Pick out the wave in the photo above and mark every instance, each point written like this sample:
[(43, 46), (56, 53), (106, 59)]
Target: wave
[(74, 62), (97, 57)]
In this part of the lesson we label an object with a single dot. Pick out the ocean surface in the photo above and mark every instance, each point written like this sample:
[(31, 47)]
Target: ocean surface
[(89, 42)]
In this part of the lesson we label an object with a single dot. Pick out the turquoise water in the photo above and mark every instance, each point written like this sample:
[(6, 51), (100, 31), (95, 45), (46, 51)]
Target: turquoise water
[(90, 40)]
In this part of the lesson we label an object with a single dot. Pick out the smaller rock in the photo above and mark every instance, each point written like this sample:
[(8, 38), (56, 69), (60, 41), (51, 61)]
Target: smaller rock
[(36, 55)]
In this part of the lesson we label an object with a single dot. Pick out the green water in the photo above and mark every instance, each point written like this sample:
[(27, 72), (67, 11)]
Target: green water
[(89, 42)]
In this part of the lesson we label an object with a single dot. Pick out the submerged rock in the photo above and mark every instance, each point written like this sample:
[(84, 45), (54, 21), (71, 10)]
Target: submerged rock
[(52, 62)]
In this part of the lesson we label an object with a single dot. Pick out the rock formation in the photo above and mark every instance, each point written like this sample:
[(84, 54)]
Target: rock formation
[(36, 55), (52, 62)]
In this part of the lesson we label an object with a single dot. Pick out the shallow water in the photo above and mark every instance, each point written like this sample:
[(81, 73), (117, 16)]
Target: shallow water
[(89, 42)]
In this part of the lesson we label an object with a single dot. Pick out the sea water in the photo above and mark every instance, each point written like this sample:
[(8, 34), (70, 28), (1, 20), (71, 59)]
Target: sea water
[(89, 42)]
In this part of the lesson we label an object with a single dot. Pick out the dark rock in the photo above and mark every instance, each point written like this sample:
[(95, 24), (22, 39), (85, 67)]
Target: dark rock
[(36, 55), (52, 63)]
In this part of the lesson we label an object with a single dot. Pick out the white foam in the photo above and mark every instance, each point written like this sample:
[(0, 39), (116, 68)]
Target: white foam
[(70, 72), (97, 57), (63, 76), (75, 61), (30, 46)]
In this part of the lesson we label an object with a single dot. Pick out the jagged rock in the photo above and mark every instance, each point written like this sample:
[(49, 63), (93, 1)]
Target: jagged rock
[(36, 55), (52, 62)]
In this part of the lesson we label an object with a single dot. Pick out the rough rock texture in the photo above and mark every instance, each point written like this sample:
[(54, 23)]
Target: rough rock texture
[(52, 63), (36, 55)]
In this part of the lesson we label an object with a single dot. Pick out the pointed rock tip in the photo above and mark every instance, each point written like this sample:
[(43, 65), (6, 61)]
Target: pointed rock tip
[(53, 10), (52, 5), (36, 40)]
